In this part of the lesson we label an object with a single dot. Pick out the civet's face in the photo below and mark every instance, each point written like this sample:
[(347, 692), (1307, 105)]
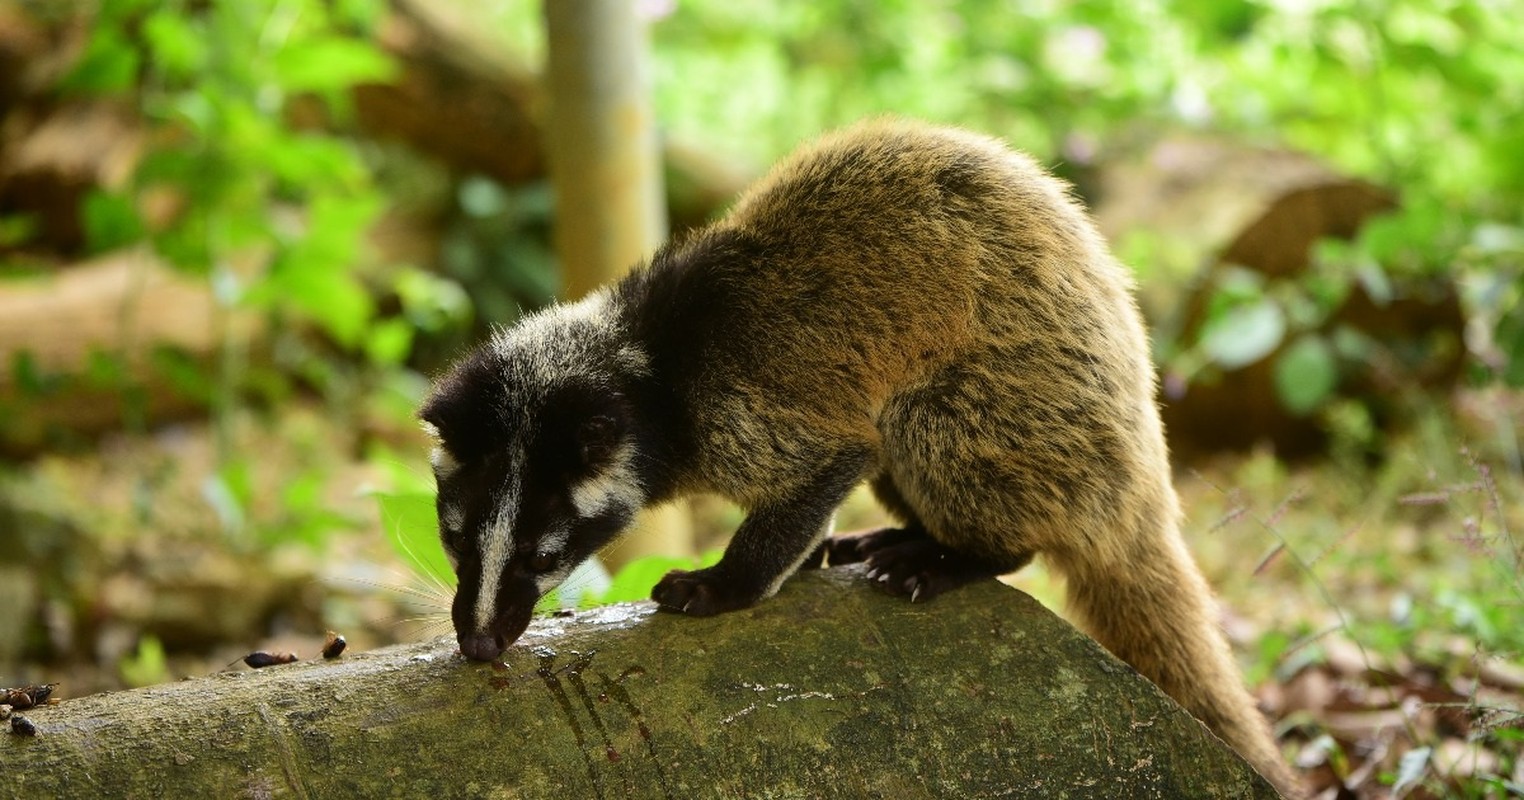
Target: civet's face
[(531, 483)]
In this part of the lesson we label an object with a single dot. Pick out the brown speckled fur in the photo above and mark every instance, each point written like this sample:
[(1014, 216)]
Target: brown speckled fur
[(935, 298), (914, 306)]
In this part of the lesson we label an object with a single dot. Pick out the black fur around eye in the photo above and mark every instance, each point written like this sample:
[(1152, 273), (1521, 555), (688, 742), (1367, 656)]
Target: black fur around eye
[(598, 437), (542, 562)]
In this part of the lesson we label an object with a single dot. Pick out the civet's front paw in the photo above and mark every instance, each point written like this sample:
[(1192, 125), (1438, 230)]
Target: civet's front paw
[(701, 592)]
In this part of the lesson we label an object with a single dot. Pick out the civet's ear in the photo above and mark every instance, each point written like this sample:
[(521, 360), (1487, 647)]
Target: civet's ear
[(465, 412)]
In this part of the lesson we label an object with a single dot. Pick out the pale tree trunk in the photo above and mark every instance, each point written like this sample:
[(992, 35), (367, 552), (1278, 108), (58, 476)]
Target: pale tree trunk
[(830, 689), (605, 166)]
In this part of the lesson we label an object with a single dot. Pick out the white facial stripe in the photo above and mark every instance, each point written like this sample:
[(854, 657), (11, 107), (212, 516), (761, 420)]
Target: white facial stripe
[(615, 485), (443, 462), (495, 543)]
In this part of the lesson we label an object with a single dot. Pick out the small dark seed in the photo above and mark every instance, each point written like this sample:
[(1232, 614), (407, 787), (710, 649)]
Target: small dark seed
[(22, 726), (261, 659), (334, 646)]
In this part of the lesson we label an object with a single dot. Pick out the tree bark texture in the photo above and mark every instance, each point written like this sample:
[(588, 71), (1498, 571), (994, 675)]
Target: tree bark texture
[(828, 689)]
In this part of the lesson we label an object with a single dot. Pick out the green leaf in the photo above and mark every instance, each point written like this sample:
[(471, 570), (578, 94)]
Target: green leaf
[(635, 579), (110, 221), (16, 229), (307, 519), (362, 13), (109, 64), (308, 160), (106, 370), (178, 49), (389, 341), (1306, 374), (185, 373), (120, 11), (147, 666), (331, 63), (337, 302), (431, 302), (1509, 335), (28, 375), (412, 527), (1244, 334)]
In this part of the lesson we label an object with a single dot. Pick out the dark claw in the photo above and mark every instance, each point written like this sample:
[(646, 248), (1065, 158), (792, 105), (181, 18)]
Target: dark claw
[(857, 547), (700, 593), (907, 562)]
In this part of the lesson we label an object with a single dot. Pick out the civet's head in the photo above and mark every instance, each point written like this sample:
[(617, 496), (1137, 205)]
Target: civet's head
[(535, 459)]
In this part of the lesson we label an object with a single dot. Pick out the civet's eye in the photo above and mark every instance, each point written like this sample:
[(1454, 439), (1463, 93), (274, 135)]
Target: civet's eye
[(542, 562)]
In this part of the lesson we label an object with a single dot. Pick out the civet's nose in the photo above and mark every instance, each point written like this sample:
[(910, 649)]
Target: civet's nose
[(481, 647)]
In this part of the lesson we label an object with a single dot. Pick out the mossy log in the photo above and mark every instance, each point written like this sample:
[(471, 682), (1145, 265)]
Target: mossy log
[(831, 688)]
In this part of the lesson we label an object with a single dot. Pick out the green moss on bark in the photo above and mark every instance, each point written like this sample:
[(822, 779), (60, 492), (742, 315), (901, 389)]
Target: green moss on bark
[(829, 689)]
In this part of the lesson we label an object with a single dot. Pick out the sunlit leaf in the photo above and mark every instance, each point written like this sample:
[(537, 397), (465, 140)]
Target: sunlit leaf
[(336, 301), (635, 579), (146, 666), (331, 63), (109, 64), (1306, 374), (176, 47), (412, 527), (111, 221), (1244, 334), (304, 160), (389, 341), (431, 302)]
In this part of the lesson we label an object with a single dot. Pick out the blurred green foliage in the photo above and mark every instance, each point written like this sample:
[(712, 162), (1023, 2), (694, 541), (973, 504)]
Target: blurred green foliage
[(274, 214), (253, 180), (146, 666), (249, 107), (1421, 95)]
